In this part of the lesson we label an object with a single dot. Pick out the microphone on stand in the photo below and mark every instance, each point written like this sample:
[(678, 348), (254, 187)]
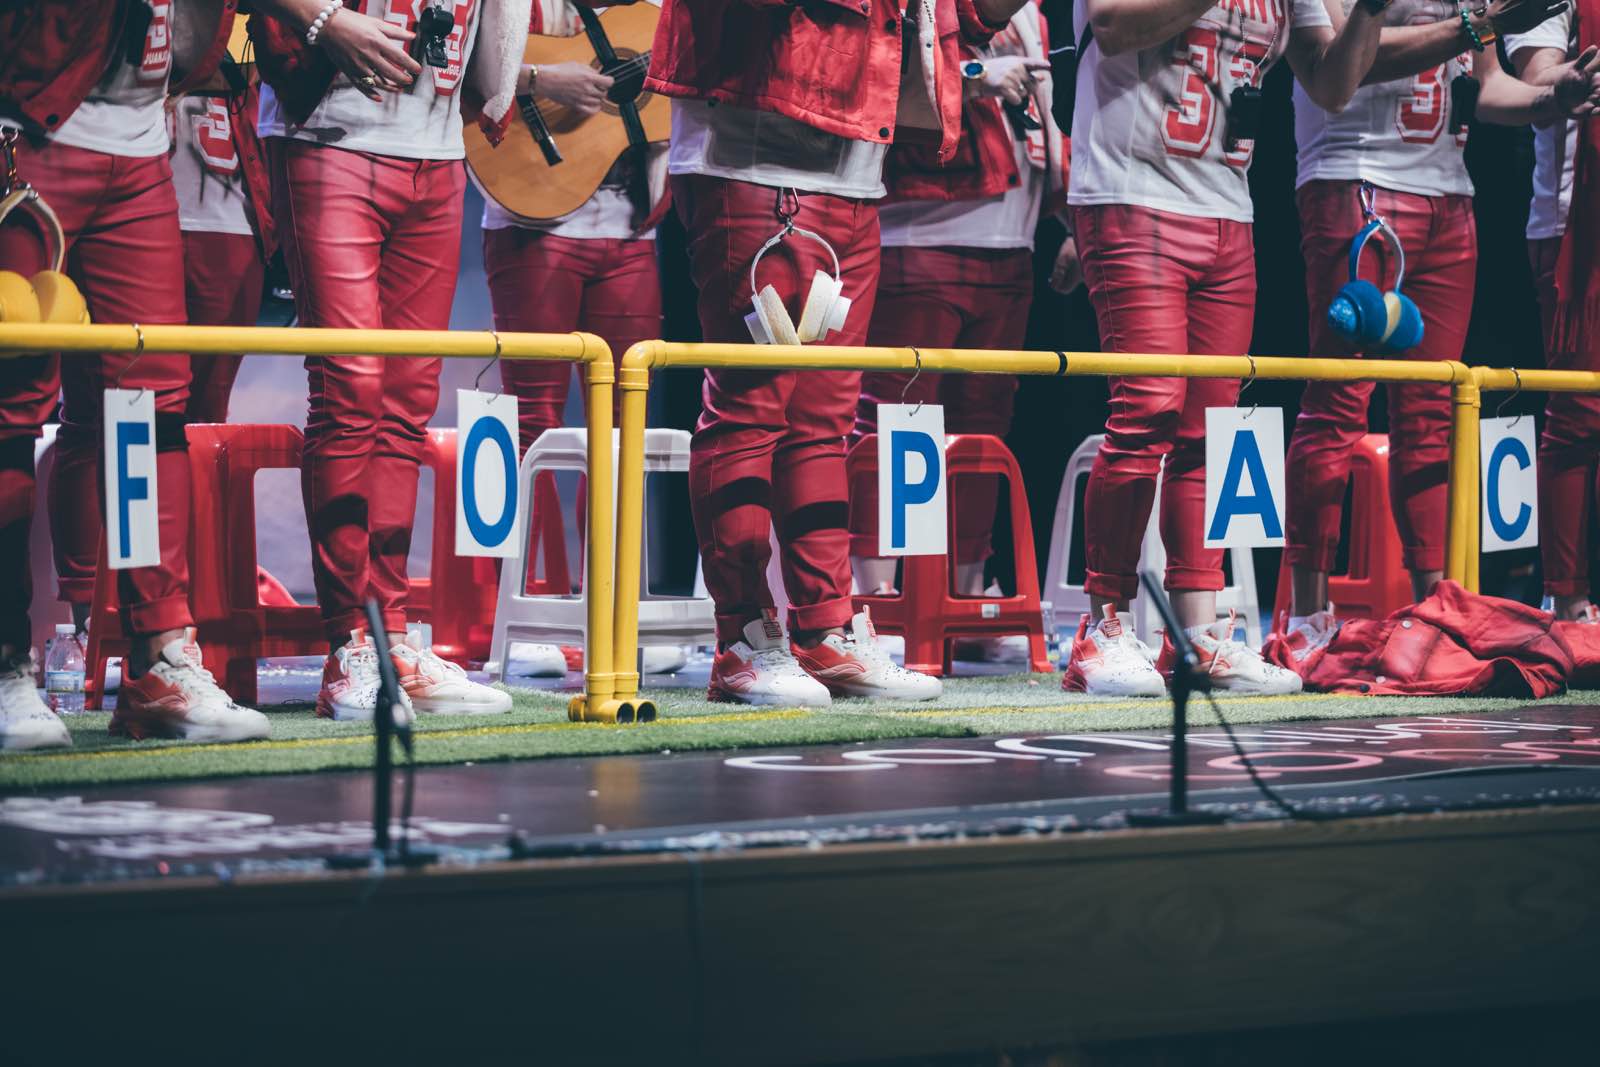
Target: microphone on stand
[(1187, 678)]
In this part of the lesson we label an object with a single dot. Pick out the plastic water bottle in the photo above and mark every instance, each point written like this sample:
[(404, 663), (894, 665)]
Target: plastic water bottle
[(1052, 636), (64, 672)]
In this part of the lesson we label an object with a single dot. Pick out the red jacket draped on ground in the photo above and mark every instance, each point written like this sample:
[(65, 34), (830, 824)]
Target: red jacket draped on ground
[(1455, 643)]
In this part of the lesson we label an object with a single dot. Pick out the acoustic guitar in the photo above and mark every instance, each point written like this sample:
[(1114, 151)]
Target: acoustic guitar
[(552, 159)]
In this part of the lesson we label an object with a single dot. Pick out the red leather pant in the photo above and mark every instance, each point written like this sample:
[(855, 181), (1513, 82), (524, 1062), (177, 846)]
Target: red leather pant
[(370, 242), (1164, 283), (1441, 245), (1569, 449), (946, 298), (769, 448), (544, 283), (222, 283), (120, 216)]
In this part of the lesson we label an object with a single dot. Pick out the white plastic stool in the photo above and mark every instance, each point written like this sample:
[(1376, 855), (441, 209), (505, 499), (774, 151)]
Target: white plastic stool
[(1071, 601), (563, 620)]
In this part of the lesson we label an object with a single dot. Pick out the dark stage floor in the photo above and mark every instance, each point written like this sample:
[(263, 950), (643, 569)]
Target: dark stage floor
[(814, 795)]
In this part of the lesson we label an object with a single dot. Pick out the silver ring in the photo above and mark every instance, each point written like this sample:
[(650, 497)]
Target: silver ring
[(369, 80)]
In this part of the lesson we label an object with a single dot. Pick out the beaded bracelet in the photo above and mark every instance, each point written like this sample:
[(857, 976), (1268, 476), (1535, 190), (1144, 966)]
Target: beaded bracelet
[(1466, 24), (315, 29)]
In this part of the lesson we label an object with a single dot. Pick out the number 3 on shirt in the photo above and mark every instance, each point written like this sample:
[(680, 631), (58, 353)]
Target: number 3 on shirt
[(404, 13), (1421, 114), (1190, 124)]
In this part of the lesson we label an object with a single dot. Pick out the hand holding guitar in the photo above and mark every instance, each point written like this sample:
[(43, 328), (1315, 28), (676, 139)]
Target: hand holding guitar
[(572, 85)]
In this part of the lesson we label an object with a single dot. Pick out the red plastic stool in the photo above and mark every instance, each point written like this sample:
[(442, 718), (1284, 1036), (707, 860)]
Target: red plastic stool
[(927, 612), (1377, 582), (233, 627)]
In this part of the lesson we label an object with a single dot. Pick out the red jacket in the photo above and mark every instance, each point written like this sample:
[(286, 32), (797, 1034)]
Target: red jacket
[(56, 51), (1454, 643), (831, 64)]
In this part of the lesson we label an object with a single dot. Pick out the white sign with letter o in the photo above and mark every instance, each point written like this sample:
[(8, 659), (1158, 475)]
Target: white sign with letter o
[(133, 522), (911, 480), (486, 474), (1510, 489), (1244, 478)]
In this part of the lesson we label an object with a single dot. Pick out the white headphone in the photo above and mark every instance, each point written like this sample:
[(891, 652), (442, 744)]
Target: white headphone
[(826, 306)]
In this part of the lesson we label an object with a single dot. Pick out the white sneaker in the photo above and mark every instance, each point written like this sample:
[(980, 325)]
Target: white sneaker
[(761, 669), (25, 720), (435, 686), (1012, 648), (663, 659), (1312, 634), (1106, 660), (537, 661), (856, 665), (1233, 665), (178, 697), (350, 682)]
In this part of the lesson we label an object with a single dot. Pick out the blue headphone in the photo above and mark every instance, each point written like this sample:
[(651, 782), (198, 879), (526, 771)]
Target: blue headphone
[(1365, 315)]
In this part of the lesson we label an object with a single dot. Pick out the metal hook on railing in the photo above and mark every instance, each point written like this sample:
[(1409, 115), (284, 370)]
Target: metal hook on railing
[(492, 361), (1500, 411), (138, 354), (915, 374), (1248, 382)]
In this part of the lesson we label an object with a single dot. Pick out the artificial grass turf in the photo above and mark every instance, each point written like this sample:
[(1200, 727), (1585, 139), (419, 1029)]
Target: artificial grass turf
[(537, 727)]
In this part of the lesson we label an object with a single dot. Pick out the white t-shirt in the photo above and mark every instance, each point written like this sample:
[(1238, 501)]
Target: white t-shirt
[(424, 122), (1395, 134), (1555, 147), (607, 215), (206, 172), (771, 149), (1004, 221), (123, 115), (1150, 127)]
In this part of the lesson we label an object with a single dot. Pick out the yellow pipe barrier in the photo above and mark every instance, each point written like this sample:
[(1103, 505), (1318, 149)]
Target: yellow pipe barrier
[(598, 702), (639, 360)]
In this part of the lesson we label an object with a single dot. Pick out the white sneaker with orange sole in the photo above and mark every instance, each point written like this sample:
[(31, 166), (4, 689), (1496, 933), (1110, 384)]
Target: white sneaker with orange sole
[(1232, 665), (178, 697), (1108, 661), (438, 687), (855, 665), (350, 682)]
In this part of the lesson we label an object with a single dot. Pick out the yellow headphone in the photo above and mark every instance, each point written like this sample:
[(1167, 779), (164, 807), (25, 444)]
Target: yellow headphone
[(49, 296)]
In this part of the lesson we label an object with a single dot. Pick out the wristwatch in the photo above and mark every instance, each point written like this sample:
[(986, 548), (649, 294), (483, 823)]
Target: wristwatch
[(972, 70)]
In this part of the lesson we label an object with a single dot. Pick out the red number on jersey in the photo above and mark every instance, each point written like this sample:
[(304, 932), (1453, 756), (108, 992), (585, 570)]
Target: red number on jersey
[(1420, 117), (213, 137), (404, 13), (157, 61), (1188, 127)]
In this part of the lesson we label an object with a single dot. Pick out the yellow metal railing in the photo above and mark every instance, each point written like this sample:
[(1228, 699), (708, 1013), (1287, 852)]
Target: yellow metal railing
[(599, 702)]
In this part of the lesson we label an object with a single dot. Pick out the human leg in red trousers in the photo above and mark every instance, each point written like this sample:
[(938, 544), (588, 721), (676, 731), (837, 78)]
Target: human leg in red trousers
[(769, 448), (1569, 458), (223, 275), (371, 242), (947, 298), (1161, 282), (547, 283), (1440, 240)]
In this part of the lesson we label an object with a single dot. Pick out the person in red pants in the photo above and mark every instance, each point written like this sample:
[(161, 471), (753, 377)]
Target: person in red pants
[(368, 182), (1397, 152), (1161, 142), (958, 273), (769, 131), (224, 210), (85, 86), (594, 269), (1565, 209)]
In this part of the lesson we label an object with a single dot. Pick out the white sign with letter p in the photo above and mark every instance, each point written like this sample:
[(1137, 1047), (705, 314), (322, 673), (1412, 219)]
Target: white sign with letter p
[(486, 474), (133, 524), (911, 480)]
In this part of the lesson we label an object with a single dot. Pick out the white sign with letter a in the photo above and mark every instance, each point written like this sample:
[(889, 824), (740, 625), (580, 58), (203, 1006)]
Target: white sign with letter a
[(133, 524), (1244, 477), (1510, 490), (912, 519), (486, 474)]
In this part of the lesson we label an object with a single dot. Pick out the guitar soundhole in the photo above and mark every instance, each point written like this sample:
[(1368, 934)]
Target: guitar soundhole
[(629, 72)]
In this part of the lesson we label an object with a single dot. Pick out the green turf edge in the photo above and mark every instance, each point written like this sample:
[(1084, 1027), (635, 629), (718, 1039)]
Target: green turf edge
[(537, 728)]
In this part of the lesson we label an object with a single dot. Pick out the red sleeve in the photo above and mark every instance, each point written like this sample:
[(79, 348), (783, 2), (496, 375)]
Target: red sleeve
[(974, 27)]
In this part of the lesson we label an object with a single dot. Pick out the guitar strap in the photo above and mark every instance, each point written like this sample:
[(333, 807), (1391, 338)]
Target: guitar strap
[(638, 146)]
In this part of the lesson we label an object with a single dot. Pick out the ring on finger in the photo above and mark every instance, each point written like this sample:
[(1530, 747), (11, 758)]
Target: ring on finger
[(370, 81)]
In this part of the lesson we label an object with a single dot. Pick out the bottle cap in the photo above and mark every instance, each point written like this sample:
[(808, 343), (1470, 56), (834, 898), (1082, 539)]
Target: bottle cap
[(65, 629)]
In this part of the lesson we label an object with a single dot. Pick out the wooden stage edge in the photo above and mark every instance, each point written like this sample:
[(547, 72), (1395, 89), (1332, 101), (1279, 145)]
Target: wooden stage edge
[(857, 953)]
